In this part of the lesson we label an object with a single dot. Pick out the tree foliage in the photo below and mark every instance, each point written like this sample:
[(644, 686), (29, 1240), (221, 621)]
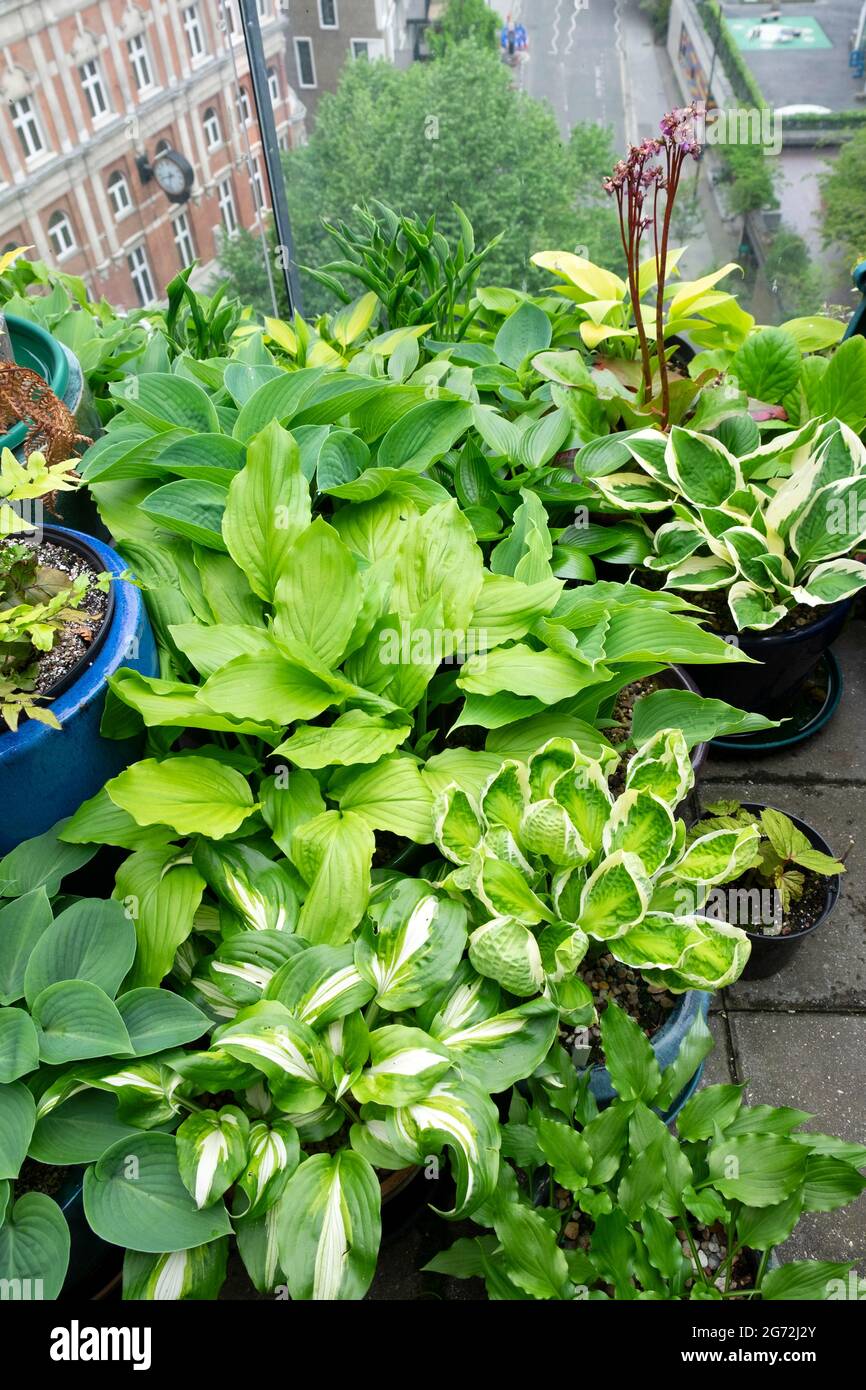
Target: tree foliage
[(844, 194), (464, 20)]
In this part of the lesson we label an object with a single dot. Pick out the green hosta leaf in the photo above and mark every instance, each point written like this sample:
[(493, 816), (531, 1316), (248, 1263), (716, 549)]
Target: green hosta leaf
[(628, 1053), (762, 1228), (162, 897), (532, 1257), (333, 854), (194, 795), (504, 890), (641, 1183), (289, 800), (830, 1183), (642, 824), (19, 1045), (287, 1051), (526, 330), (318, 594), (256, 889), (405, 1064), (806, 1280), (183, 1275), (22, 924), (638, 633), (840, 392), (79, 1130), (702, 468), (91, 940), (615, 896), (759, 1170), (134, 1197), (268, 508), (17, 1118), (212, 1152), (273, 1154), (713, 1106), (391, 796), (34, 1246), (321, 985), (767, 366), (76, 1019), (567, 1152), (156, 1019), (329, 1227), (506, 951), (499, 1050), (698, 718), (413, 947), (355, 737), (456, 827)]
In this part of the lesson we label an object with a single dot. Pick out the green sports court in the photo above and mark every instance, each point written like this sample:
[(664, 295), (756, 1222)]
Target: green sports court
[(754, 37)]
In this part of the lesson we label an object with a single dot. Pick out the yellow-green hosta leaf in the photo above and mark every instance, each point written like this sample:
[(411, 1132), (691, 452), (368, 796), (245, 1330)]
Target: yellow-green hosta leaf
[(288, 1052), (269, 689), (506, 951), (268, 508), (183, 1275), (663, 767), (355, 737), (643, 824), (318, 594), (390, 796), (615, 896), (412, 946), (210, 648), (333, 854), (212, 1152), (547, 830), (405, 1064), (503, 888), (548, 676), (194, 795), (456, 828), (586, 797), (719, 856), (162, 897), (507, 608), (273, 1152), (329, 1227)]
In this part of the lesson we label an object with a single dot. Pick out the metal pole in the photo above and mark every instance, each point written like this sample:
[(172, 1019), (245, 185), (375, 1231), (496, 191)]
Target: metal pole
[(273, 167)]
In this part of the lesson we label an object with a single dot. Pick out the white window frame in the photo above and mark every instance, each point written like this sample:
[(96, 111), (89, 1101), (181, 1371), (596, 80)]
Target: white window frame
[(264, 10), (217, 123), (25, 120), (195, 35), (94, 89), (138, 264), (121, 202), (336, 23), (373, 49), (58, 220), (258, 185), (226, 202), (182, 232), (307, 86), (274, 86), (141, 63)]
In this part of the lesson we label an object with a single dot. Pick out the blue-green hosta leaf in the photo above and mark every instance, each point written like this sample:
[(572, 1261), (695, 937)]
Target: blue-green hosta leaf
[(183, 1275), (831, 582), (22, 924), (718, 857), (287, 1051), (586, 797), (527, 329), (501, 1050), (43, 860), (354, 737), (701, 468), (321, 985), (546, 829), (503, 889), (156, 1019), (259, 891), (643, 824), (329, 1227), (134, 1197), (34, 1247), (212, 1152), (258, 1248), (268, 507), (333, 854), (162, 896), (79, 1130), (423, 435), (19, 1045), (616, 896), (318, 594), (76, 1019), (412, 946), (17, 1119), (662, 766), (457, 829), (458, 1115), (391, 796), (405, 1064), (194, 795), (92, 940), (273, 1154), (506, 951)]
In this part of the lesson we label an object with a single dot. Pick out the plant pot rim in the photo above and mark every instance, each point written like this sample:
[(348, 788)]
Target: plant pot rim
[(834, 881), (770, 638)]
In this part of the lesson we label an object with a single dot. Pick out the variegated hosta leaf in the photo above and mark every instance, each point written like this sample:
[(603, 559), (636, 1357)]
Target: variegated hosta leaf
[(330, 1227), (556, 756), (287, 1051), (466, 999), (242, 967), (185, 1275), (258, 1247), (321, 985), (752, 608), (405, 1064), (831, 582), (573, 1000), (504, 890), (616, 896), (144, 1090), (718, 857), (382, 1141), (701, 468), (563, 947), (701, 573), (643, 824), (460, 1116), (633, 492), (258, 890), (662, 765), (747, 548), (212, 1151), (674, 542), (506, 951), (273, 1154), (209, 994), (499, 843), (833, 523), (411, 944), (585, 795), (505, 795), (318, 1124), (348, 1041), (714, 963), (546, 829), (457, 829), (213, 1071), (566, 888), (660, 942), (498, 1052)]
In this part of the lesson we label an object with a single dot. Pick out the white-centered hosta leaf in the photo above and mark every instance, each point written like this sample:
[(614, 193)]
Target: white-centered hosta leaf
[(503, 1049), (412, 945), (258, 890), (329, 1227), (459, 1116), (182, 1276), (322, 984), (273, 1154), (162, 892), (287, 1051), (405, 1063), (212, 1151)]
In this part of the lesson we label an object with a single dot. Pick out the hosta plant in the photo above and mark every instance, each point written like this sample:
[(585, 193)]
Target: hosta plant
[(773, 528), (612, 1205), (553, 864)]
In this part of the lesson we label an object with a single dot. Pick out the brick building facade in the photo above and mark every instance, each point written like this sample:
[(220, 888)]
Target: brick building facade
[(91, 90)]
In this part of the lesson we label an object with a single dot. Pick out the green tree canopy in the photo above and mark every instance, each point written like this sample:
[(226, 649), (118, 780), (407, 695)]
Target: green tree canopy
[(844, 191), (464, 19)]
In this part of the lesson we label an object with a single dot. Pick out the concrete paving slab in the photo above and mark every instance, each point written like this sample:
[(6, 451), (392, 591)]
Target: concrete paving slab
[(816, 1062), (718, 1068)]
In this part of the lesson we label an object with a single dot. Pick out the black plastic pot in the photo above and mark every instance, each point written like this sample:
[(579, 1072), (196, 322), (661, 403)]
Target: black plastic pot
[(787, 658), (770, 954)]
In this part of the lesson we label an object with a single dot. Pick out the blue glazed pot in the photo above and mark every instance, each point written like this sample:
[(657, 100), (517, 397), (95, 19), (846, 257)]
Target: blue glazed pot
[(45, 774), (666, 1045)]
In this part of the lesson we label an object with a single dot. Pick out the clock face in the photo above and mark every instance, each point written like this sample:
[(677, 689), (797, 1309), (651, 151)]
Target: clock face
[(173, 173)]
